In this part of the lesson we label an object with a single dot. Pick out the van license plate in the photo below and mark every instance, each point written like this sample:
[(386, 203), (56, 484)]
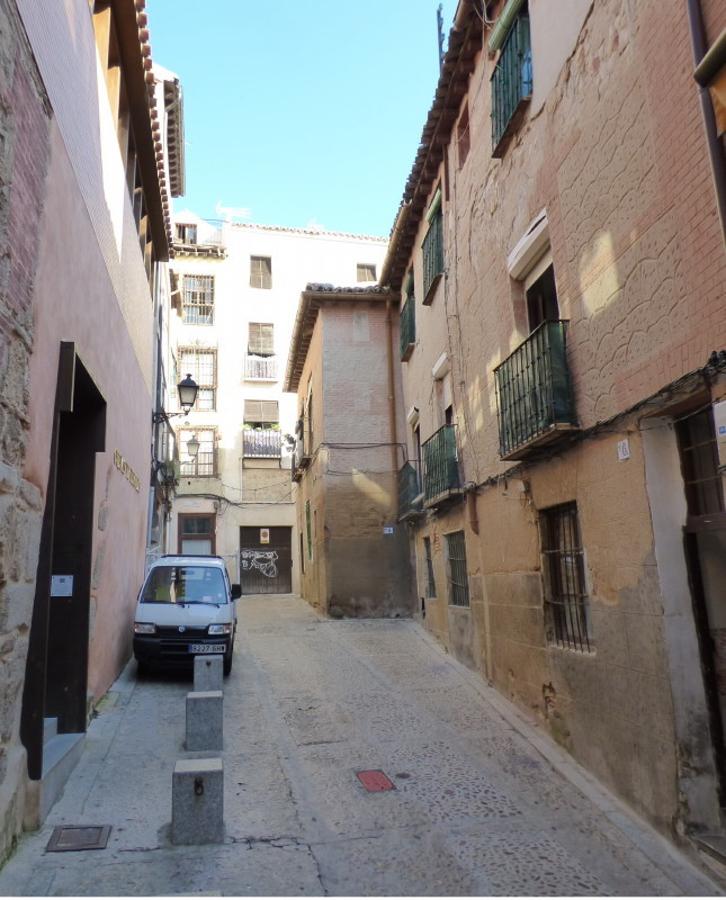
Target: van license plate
[(206, 648)]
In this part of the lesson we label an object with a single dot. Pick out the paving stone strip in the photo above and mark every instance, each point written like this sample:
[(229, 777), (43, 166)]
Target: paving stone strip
[(476, 808)]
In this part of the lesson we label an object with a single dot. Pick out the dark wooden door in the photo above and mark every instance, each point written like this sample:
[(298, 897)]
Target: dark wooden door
[(266, 559)]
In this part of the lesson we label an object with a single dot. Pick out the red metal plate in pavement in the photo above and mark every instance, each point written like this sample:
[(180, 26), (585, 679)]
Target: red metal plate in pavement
[(374, 780)]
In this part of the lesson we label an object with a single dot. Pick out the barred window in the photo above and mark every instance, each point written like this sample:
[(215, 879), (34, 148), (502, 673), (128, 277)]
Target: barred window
[(262, 413), (567, 612), (198, 302), (261, 339), (202, 366), (430, 582), (365, 272), (456, 569), (205, 462), (260, 272), (432, 248)]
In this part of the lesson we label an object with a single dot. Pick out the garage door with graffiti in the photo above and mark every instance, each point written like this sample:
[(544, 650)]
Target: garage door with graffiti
[(265, 560)]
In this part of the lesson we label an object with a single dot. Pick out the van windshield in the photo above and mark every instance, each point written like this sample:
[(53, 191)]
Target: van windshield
[(184, 584)]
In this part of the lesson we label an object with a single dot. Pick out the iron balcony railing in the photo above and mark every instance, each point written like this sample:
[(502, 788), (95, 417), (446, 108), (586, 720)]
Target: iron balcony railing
[(512, 79), (408, 328), (409, 489), (260, 368), (433, 253), (534, 394), (262, 442), (440, 466)]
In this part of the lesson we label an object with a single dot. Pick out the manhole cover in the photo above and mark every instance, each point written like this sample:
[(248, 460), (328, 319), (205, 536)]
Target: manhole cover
[(375, 780), (78, 837)]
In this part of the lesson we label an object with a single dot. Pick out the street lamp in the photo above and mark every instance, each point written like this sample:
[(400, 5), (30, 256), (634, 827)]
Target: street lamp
[(188, 390)]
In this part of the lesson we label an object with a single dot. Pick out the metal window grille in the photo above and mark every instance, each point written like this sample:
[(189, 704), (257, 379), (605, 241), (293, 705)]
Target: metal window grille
[(430, 581), (260, 368), (262, 412), (204, 464), (365, 272), (456, 569), (408, 327), (566, 597), (433, 251), (260, 272), (262, 443), (202, 366), (512, 79), (261, 339), (699, 463), (198, 302), (533, 388)]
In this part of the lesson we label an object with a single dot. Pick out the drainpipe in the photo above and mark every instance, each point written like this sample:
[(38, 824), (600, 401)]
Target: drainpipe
[(715, 149), (391, 388)]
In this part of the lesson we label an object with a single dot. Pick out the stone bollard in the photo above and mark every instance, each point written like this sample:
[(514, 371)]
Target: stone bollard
[(204, 720), (208, 675), (197, 802)]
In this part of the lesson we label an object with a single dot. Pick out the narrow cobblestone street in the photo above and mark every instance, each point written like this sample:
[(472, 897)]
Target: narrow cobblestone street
[(476, 810)]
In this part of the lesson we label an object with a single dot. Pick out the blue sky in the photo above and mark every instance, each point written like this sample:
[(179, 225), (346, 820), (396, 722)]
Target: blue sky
[(301, 111)]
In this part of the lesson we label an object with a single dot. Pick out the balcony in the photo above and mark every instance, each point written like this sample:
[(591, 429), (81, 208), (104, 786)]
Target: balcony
[(409, 490), (433, 256), (408, 328), (511, 84), (441, 478), (261, 443), (535, 404), (260, 368)]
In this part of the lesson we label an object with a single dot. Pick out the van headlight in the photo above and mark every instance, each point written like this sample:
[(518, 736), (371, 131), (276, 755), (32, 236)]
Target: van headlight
[(220, 629), (144, 628)]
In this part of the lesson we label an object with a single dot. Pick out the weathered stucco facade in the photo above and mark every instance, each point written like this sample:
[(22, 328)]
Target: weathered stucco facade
[(348, 450), (75, 393), (600, 183)]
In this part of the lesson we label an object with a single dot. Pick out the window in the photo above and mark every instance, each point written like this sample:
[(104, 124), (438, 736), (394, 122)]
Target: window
[(260, 272), (196, 533), (202, 366), (408, 321), (365, 272), (511, 81), (433, 248), (456, 569), (699, 462), (430, 582), (198, 300), (542, 303), (567, 613), (186, 234), (204, 464), (309, 529), (462, 136), (261, 413), (261, 339)]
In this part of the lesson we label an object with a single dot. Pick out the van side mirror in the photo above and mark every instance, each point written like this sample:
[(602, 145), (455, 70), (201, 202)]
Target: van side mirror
[(236, 591)]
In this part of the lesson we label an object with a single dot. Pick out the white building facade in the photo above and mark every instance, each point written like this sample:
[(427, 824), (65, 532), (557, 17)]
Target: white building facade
[(239, 287)]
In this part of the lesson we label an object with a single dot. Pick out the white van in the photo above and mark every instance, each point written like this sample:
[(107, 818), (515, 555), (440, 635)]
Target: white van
[(186, 608)]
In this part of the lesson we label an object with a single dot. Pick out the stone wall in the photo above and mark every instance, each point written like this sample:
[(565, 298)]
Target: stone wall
[(24, 151)]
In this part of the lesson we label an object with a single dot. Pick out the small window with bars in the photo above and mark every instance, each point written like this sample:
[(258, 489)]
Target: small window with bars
[(202, 366), (261, 414), (198, 300), (699, 463), (186, 234), (566, 600), (365, 272), (204, 464), (260, 272), (261, 339), (456, 569), (430, 581)]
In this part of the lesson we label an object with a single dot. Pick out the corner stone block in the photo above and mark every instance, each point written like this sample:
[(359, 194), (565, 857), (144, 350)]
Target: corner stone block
[(197, 802), (208, 674), (204, 720)]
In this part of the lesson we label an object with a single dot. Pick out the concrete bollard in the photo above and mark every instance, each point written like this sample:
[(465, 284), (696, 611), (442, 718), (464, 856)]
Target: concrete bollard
[(208, 675), (204, 721), (197, 802)]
